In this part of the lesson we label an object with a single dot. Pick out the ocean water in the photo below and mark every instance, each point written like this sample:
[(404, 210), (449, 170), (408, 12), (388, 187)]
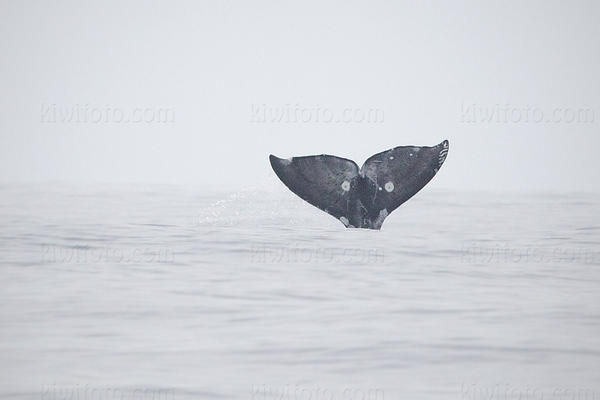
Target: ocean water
[(167, 292)]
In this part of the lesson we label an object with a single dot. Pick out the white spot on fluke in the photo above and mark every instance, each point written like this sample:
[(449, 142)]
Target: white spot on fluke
[(391, 157), (389, 186), (379, 187), (346, 185)]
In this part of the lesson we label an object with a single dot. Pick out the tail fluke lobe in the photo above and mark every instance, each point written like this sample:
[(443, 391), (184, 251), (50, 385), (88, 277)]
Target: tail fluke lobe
[(397, 174), (324, 181)]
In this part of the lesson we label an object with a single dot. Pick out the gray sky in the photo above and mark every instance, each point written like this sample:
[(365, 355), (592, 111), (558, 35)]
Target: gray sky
[(433, 71)]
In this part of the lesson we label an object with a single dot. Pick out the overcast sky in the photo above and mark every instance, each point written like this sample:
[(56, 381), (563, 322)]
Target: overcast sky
[(514, 86)]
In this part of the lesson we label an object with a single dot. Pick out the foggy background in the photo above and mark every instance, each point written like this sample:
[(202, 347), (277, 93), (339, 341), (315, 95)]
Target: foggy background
[(425, 66), (224, 284)]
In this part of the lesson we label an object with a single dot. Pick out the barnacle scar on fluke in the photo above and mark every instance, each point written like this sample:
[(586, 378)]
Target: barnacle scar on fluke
[(361, 198)]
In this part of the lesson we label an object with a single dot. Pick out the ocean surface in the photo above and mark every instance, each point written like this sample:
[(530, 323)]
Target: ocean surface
[(174, 292)]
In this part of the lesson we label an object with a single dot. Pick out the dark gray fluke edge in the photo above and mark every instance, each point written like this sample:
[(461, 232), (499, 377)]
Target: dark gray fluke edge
[(361, 198)]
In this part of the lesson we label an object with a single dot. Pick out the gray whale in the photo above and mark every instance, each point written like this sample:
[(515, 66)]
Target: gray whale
[(361, 198)]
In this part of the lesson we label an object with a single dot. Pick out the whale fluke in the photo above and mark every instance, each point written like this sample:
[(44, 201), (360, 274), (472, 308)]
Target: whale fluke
[(361, 198)]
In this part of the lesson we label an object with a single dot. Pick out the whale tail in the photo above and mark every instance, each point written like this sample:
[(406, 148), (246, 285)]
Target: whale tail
[(361, 198)]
